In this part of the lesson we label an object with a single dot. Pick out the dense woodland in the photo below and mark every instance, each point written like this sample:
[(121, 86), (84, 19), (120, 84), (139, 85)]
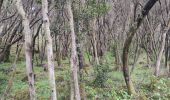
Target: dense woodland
[(85, 49)]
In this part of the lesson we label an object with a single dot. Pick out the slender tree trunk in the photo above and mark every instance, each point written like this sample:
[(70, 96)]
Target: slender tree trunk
[(72, 90), (73, 54), (157, 70), (136, 56), (127, 43), (118, 61), (1, 2), (94, 42), (79, 43), (49, 50), (34, 39), (58, 51), (4, 55), (166, 51), (28, 49), (167, 54)]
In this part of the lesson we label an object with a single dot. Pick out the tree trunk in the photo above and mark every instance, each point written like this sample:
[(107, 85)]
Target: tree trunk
[(28, 49), (4, 55), (94, 42), (73, 54), (118, 61), (49, 50), (1, 2), (79, 43), (126, 73), (157, 70), (127, 43), (167, 50)]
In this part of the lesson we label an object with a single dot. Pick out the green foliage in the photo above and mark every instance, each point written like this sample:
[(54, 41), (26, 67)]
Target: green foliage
[(43, 89), (3, 76), (19, 85), (107, 93), (20, 90), (66, 74), (38, 1), (104, 83), (63, 83), (22, 95), (101, 72), (160, 88), (91, 92), (114, 50), (108, 59), (3, 81), (124, 95), (94, 9)]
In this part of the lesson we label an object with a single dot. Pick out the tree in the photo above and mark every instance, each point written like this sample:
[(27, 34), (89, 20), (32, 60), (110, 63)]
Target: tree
[(1, 2), (49, 49), (95, 41), (127, 43), (73, 59), (157, 68), (28, 49)]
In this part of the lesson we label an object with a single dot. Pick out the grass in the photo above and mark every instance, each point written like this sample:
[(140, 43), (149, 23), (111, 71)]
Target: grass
[(114, 87)]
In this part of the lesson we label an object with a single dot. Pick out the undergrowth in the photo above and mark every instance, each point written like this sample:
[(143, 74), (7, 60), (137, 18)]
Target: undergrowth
[(104, 83)]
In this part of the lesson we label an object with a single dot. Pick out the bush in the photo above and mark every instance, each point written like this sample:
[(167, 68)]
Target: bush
[(101, 73), (160, 89)]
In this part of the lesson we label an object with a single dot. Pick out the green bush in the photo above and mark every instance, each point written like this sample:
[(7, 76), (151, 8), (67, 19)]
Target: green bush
[(160, 89), (101, 73)]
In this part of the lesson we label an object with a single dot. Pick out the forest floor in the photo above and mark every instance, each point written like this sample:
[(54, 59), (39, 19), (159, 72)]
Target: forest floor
[(101, 82)]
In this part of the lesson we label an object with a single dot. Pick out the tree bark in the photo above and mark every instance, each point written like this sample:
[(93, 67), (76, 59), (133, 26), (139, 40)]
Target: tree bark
[(49, 50), (79, 23), (127, 43), (28, 49), (167, 51), (95, 42), (1, 2), (73, 59), (157, 70)]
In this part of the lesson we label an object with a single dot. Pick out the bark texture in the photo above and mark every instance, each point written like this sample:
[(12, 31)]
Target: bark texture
[(73, 61), (28, 49), (127, 43), (158, 62), (1, 2), (95, 42), (49, 50)]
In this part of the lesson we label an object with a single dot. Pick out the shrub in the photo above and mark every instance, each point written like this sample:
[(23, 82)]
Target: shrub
[(101, 73)]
